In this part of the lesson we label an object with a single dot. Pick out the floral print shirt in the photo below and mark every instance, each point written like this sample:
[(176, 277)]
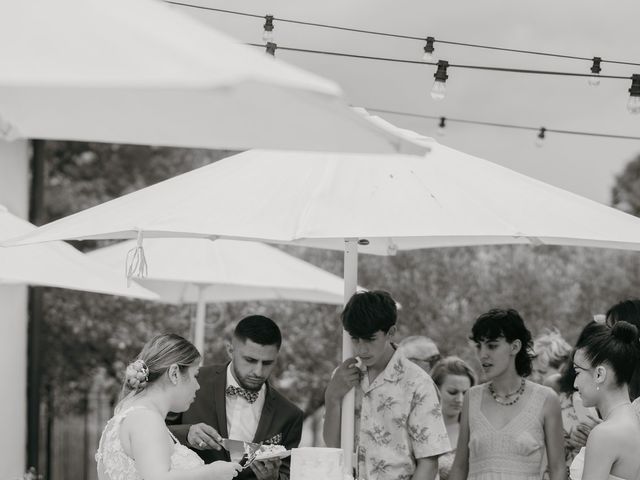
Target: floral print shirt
[(398, 420)]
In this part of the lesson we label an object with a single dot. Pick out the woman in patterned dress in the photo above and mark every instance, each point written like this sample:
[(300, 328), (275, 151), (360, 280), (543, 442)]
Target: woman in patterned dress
[(135, 443), (508, 423), (453, 377)]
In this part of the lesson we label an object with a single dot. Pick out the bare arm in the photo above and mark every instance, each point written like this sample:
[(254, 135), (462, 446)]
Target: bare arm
[(600, 455), (426, 469), (346, 376), (460, 468), (147, 442), (554, 438)]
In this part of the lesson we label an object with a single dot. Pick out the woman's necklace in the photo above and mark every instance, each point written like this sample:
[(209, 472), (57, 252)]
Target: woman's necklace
[(517, 394)]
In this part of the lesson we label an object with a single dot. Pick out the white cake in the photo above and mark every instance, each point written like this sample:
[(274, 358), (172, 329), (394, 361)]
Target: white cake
[(311, 463)]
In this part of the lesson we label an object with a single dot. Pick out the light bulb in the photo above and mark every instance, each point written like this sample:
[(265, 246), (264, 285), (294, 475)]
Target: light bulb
[(441, 132), (438, 90), (429, 57), (540, 137), (594, 80), (633, 105), (267, 36)]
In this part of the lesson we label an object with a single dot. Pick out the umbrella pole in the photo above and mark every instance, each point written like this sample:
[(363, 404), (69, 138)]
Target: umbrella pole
[(347, 425), (198, 335)]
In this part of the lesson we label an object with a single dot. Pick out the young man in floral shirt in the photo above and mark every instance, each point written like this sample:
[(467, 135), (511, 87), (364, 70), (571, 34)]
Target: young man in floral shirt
[(399, 428)]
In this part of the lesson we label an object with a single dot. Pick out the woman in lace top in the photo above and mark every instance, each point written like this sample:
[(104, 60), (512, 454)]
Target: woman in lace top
[(135, 443), (604, 362), (453, 378), (508, 423)]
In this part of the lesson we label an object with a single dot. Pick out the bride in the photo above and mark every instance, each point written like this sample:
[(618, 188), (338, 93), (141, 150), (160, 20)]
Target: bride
[(135, 443), (604, 362)]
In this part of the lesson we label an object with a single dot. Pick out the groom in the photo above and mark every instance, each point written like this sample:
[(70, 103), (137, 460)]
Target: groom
[(236, 401)]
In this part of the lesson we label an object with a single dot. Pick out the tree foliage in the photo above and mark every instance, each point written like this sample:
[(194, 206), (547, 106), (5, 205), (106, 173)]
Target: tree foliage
[(626, 190)]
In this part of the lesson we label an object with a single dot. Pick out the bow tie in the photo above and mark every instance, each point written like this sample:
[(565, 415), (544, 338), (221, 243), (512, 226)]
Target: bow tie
[(249, 396)]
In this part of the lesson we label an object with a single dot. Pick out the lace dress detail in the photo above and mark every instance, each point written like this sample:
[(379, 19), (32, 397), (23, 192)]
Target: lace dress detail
[(513, 452), (115, 464)]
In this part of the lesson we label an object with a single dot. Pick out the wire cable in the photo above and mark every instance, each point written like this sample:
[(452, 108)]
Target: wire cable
[(501, 125), (395, 35), (454, 65)]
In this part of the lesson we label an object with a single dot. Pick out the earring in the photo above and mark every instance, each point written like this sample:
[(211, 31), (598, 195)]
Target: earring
[(598, 387)]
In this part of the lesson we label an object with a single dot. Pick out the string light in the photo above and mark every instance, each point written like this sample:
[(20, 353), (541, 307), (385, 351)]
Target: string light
[(634, 95), (594, 80), (267, 35), (395, 35), (271, 48), (506, 125), (428, 51), (540, 138), (439, 85), (441, 126)]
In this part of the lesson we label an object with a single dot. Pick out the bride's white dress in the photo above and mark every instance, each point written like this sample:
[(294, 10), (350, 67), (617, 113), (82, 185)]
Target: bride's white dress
[(577, 466), (115, 464)]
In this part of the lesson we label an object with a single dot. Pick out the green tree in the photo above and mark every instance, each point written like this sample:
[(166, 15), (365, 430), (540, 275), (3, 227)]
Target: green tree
[(625, 193)]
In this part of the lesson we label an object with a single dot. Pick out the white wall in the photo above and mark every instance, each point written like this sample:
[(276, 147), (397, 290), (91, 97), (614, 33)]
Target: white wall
[(14, 194)]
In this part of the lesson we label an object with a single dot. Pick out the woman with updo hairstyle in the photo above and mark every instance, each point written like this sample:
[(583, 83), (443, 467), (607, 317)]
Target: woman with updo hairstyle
[(136, 444), (604, 362), (453, 377), (508, 423), (628, 311)]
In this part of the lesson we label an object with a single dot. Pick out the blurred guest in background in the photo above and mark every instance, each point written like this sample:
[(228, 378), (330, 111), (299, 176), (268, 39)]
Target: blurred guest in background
[(420, 350), (453, 377), (577, 420), (551, 352)]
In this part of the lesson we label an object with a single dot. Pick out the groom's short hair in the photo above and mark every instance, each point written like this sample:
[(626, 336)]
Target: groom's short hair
[(259, 329)]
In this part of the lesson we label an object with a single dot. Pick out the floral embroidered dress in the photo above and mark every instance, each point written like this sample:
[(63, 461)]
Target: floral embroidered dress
[(115, 464), (398, 420)]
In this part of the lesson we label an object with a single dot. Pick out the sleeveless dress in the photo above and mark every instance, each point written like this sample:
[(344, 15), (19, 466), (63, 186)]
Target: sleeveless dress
[(577, 466), (115, 464), (513, 452)]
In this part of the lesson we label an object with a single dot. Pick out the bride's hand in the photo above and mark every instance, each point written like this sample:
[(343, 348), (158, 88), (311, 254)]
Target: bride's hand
[(224, 470)]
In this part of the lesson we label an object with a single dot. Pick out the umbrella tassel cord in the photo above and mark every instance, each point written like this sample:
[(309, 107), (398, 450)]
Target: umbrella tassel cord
[(136, 263)]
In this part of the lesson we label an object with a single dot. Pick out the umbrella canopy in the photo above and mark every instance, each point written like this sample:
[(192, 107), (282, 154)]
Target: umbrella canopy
[(388, 202), (140, 72), (58, 265), (229, 271), (201, 271)]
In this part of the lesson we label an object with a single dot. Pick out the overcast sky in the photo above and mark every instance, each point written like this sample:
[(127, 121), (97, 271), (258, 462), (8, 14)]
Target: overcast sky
[(584, 165)]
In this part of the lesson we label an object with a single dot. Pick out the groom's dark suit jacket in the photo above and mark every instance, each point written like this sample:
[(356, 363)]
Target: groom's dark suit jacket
[(280, 422)]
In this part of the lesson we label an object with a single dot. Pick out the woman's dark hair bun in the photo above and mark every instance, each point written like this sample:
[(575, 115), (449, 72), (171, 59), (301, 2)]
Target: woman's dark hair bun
[(625, 332)]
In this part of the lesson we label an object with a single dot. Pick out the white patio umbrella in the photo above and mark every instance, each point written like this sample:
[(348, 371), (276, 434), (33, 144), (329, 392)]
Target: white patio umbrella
[(141, 72), (372, 203), (59, 265), (201, 271)]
